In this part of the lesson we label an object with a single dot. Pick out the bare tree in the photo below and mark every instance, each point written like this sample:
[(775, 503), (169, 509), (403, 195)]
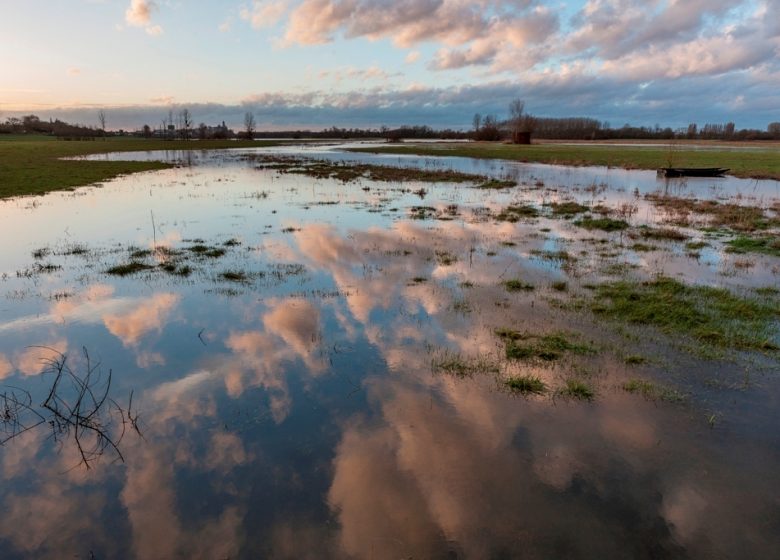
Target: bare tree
[(476, 122), (186, 123), (249, 125), (516, 111), (102, 121), (520, 124)]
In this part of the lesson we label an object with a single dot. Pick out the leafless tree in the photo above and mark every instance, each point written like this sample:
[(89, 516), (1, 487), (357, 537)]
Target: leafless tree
[(516, 111), (519, 121), (186, 123), (249, 125), (102, 121), (476, 122)]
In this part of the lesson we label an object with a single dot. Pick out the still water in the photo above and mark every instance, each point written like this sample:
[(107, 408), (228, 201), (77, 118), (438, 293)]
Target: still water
[(275, 393)]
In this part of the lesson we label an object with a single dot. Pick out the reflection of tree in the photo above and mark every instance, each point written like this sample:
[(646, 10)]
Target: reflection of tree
[(77, 408)]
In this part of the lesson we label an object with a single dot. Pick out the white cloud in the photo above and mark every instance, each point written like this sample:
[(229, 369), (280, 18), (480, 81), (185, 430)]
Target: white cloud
[(264, 13), (139, 14)]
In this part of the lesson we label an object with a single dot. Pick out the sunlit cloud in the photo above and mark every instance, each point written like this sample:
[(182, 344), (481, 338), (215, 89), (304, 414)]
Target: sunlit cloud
[(139, 14), (264, 13)]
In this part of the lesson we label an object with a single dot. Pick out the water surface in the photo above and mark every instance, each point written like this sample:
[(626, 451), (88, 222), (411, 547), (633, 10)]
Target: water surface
[(297, 410)]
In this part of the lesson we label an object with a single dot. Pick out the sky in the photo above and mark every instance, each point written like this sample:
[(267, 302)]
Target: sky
[(321, 63)]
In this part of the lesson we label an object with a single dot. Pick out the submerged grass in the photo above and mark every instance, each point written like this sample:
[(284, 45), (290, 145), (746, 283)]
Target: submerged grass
[(757, 164), (548, 347), (577, 389), (603, 224), (517, 285), (461, 366), (653, 391), (33, 164), (526, 384), (127, 269), (712, 316), (765, 245)]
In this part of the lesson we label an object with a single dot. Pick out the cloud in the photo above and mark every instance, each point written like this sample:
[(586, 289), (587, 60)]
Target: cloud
[(149, 315), (139, 14), (264, 13)]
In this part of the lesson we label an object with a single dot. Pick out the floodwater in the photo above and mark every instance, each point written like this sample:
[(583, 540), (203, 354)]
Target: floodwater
[(288, 393)]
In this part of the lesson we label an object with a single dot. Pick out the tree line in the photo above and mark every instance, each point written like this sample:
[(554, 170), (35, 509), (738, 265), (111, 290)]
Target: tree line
[(517, 125)]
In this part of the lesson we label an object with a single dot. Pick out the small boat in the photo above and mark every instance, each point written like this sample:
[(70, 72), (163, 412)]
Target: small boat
[(693, 171)]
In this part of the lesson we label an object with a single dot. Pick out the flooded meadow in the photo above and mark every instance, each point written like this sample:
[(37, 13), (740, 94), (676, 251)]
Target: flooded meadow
[(305, 352)]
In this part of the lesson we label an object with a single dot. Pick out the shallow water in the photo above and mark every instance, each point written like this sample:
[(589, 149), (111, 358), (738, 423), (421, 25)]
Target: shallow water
[(298, 412)]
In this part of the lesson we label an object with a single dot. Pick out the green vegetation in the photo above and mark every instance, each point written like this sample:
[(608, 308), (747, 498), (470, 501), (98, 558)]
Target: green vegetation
[(569, 208), (767, 245), (517, 285), (460, 366), (514, 213), (662, 234), (206, 251), (32, 165), (560, 286), (635, 360), (526, 384), (497, 184), (127, 269), (720, 215), (577, 389), (445, 258), (234, 276), (548, 348), (712, 316), (757, 164), (350, 171), (604, 224), (652, 391)]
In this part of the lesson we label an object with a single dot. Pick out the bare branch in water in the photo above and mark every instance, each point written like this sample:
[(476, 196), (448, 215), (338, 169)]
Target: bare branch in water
[(78, 407)]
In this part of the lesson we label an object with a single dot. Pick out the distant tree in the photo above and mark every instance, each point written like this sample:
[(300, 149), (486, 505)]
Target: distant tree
[(185, 119), (202, 131), (490, 130), (102, 121), (774, 130), (519, 122), (171, 128), (147, 131), (516, 111), (249, 125), (476, 122), (693, 131)]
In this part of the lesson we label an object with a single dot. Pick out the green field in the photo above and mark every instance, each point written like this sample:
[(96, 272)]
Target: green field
[(32, 164), (760, 163)]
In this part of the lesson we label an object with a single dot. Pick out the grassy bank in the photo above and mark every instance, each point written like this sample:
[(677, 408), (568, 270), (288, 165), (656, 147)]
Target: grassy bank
[(757, 164), (32, 164)]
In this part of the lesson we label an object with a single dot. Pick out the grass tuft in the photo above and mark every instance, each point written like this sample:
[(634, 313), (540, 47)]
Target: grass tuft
[(526, 384)]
